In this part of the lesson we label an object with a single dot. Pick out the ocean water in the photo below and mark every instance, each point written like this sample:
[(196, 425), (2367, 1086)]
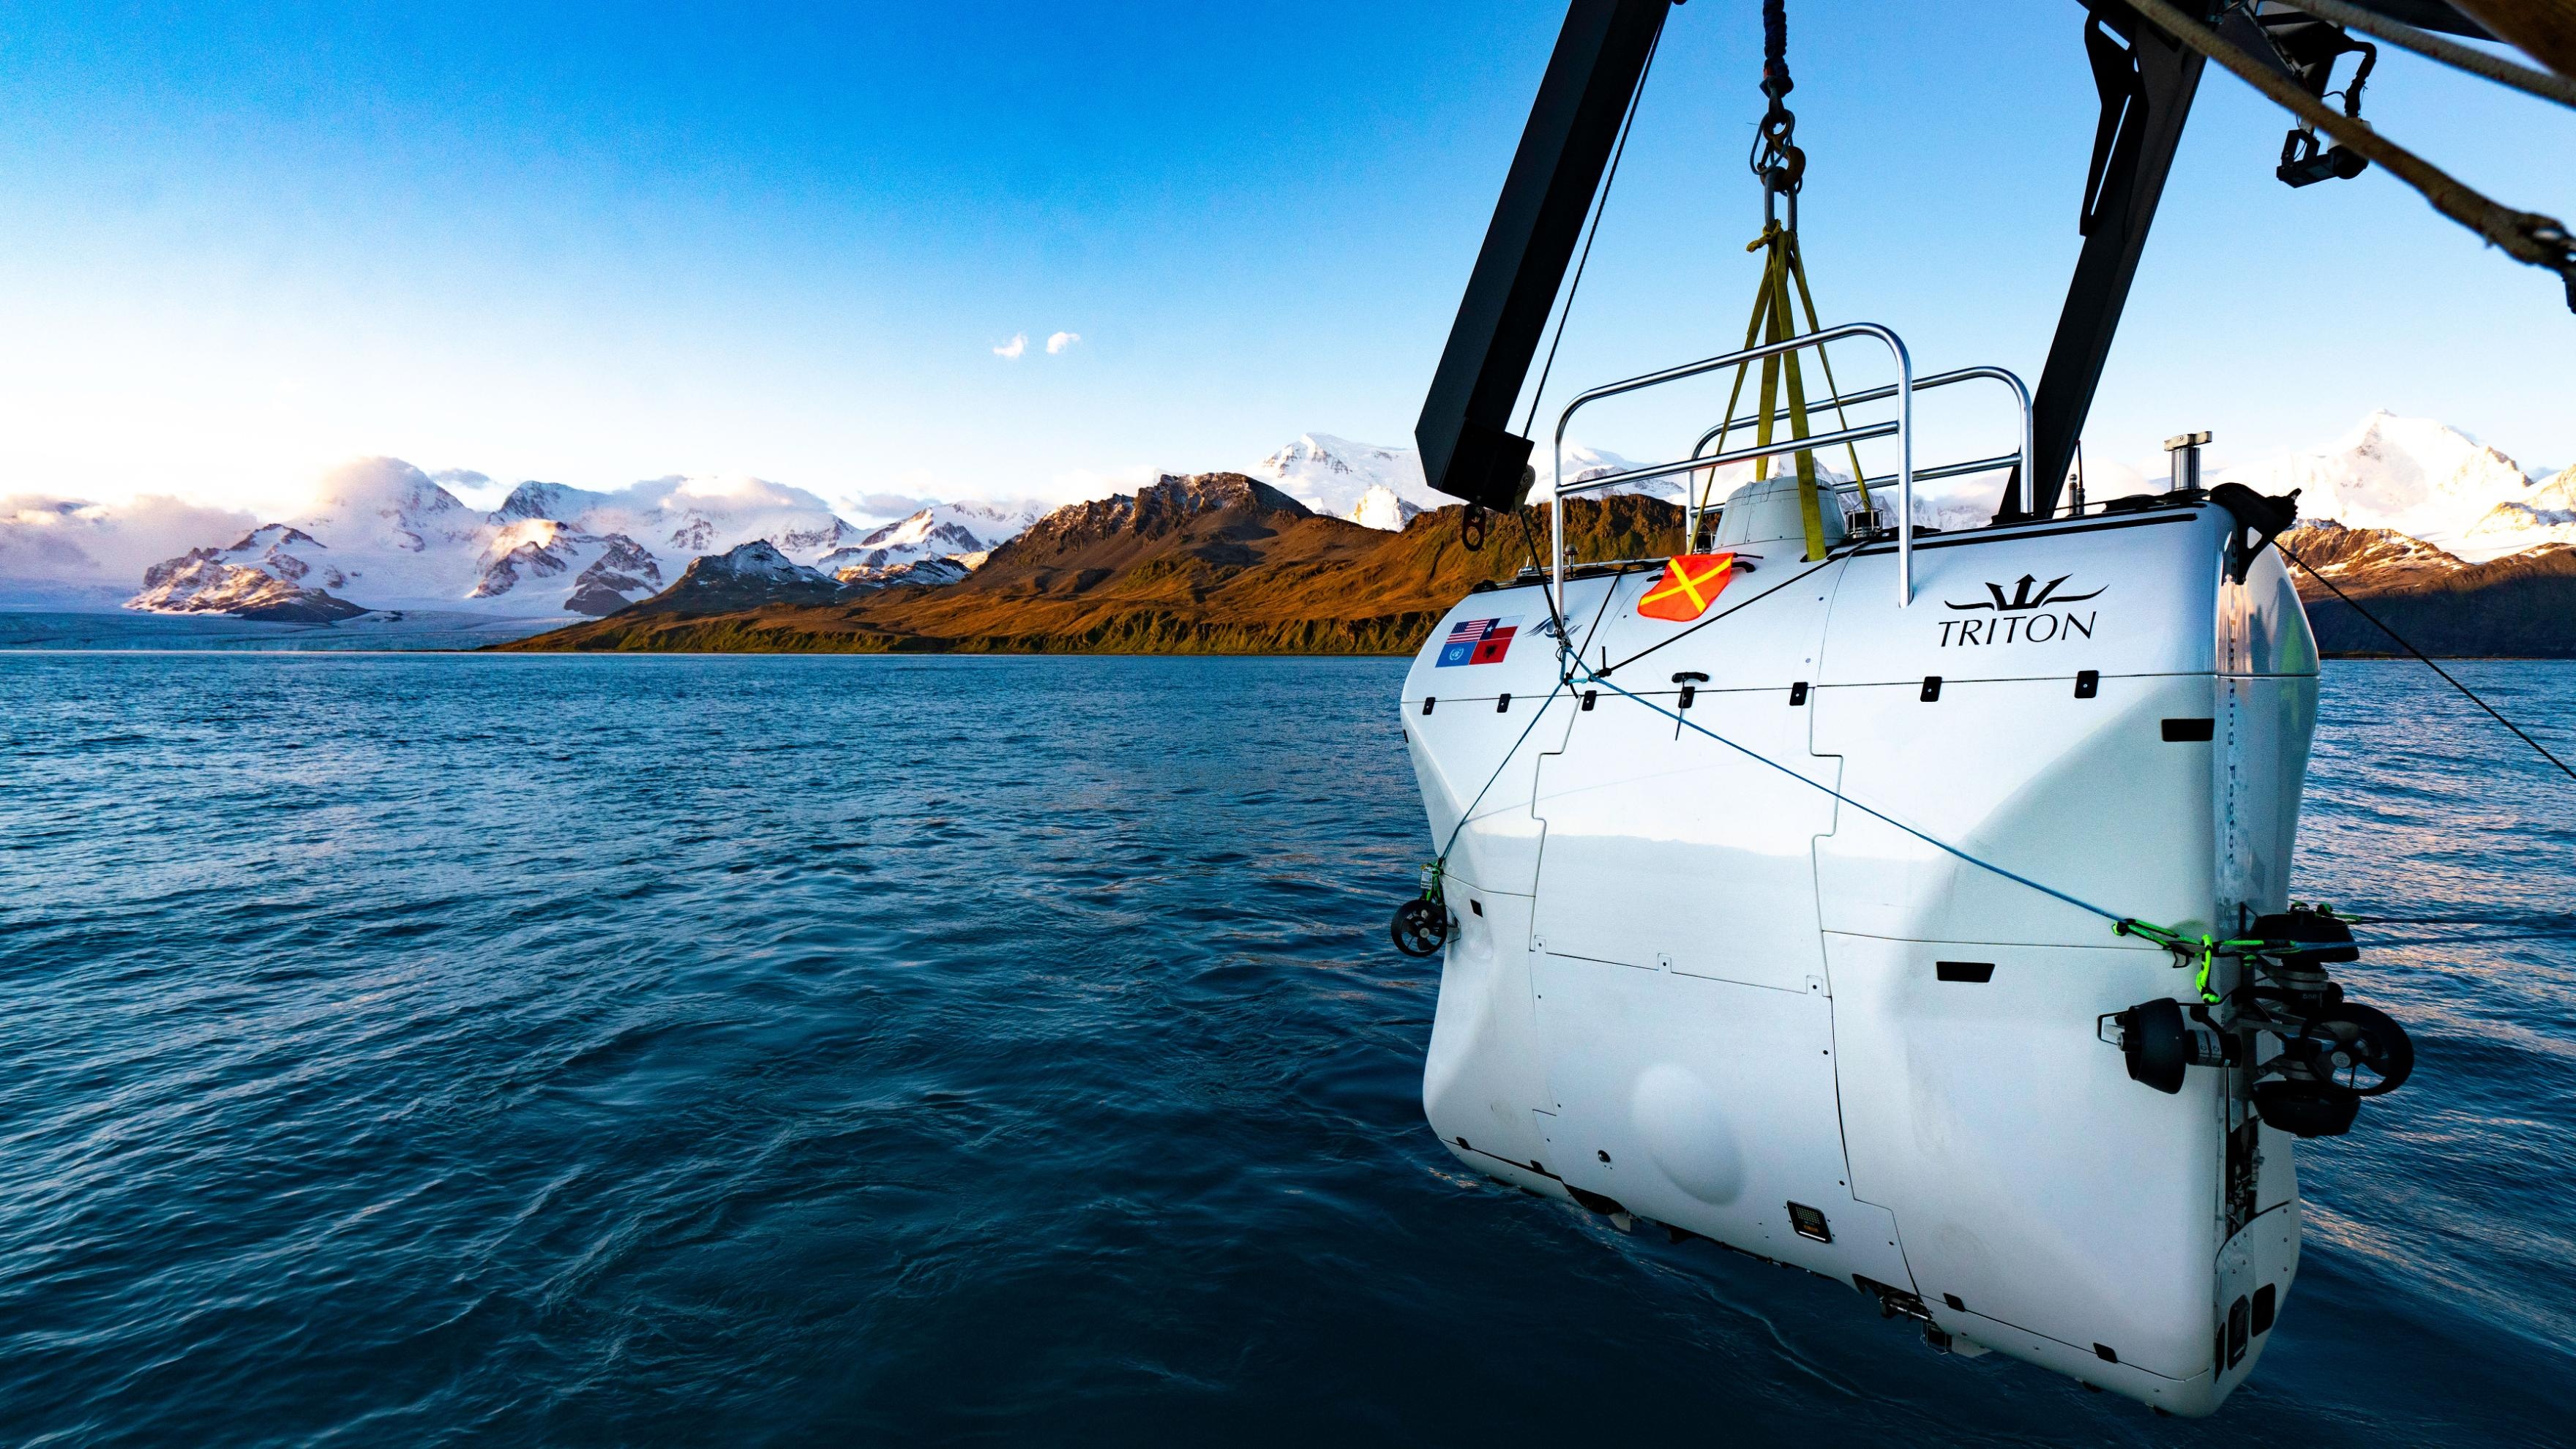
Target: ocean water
[(774, 1050)]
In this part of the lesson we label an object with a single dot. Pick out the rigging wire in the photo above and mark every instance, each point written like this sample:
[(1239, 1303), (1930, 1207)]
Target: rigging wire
[(2204, 950), (1530, 537), (1680, 635), (2468, 693), (1442, 864), (1609, 591), (2527, 236), (2450, 52), (2115, 918)]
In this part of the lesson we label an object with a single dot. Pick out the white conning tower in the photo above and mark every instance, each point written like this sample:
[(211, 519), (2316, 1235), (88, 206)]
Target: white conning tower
[(1766, 512)]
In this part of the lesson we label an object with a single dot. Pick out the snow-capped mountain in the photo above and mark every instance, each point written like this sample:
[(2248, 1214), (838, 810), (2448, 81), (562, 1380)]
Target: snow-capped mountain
[(1378, 486), (380, 534), (260, 577), (743, 577), (2412, 476), (605, 571), (2418, 477), (943, 530), (1382, 487), (682, 516)]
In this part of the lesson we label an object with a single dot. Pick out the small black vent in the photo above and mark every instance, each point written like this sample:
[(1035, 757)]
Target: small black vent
[(2103, 1352), (1964, 970), (1689, 693), (1591, 697), (2266, 1302), (2190, 731), (1502, 704), (1476, 905), (1797, 694), (1931, 688), (1809, 1223), (1953, 1300), (2088, 683), (2238, 1332), (1427, 702)]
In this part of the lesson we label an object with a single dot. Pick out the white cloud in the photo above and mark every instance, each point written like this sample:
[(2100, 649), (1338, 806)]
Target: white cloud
[(887, 505), (1060, 341), (1011, 350), (51, 538)]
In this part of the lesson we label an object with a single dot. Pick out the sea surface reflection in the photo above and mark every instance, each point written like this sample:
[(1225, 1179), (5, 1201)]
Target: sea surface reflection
[(762, 1049)]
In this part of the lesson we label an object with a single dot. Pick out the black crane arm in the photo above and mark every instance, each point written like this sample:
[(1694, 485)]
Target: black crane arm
[(2146, 80), (1468, 448)]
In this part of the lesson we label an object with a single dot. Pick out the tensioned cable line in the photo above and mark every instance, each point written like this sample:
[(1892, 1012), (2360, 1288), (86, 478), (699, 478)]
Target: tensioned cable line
[(1739, 605), (2114, 917), (1442, 864), (2441, 48), (2468, 693), (1600, 209), (2120, 924), (2527, 236)]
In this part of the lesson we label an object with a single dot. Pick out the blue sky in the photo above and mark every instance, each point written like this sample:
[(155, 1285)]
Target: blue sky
[(594, 244)]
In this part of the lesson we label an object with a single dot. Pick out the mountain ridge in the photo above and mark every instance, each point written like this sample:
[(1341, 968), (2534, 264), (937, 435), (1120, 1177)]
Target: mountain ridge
[(382, 535), (2522, 605), (1192, 564)]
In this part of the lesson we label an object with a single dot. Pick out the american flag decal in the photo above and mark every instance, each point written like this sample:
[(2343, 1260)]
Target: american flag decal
[(1479, 641)]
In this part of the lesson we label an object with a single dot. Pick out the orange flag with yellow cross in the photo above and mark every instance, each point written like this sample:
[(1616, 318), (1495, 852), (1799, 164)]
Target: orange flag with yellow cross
[(1690, 584)]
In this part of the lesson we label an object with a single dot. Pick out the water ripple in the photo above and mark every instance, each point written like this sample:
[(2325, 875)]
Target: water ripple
[(627, 1050)]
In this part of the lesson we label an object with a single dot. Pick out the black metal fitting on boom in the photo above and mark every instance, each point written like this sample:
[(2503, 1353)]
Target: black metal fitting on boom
[(2303, 51), (2146, 80)]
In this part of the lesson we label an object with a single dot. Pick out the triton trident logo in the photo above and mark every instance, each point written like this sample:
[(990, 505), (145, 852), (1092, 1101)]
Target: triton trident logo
[(2021, 601), (2027, 617)]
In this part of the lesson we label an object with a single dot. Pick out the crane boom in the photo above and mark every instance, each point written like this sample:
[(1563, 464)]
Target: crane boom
[(1468, 448), (2146, 81)]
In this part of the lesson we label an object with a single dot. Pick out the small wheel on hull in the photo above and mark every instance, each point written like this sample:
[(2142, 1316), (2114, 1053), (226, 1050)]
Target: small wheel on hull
[(1420, 927), (2357, 1048)]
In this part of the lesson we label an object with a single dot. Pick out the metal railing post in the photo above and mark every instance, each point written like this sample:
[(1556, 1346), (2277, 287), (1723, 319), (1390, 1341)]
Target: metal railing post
[(1556, 540), (1902, 429), (1905, 472)]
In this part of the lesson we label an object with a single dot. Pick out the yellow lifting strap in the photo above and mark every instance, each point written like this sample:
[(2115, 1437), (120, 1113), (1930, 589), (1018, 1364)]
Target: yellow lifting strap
[(1776, 319)]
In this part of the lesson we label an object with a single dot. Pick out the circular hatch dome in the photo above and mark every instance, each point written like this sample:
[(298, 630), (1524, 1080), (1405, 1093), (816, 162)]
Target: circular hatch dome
[(1766, 511)]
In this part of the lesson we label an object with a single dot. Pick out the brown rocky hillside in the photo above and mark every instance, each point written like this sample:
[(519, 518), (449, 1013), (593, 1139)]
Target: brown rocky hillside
[(1212, 563), (2523, 605)]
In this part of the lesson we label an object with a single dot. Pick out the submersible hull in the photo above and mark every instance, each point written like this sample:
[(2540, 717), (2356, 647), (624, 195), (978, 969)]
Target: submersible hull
[(1685, 984)]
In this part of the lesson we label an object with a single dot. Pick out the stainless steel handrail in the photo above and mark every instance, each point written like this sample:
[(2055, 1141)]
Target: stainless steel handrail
[(1692, 512), (1902, 428), (1860, 434), (1955, 470)]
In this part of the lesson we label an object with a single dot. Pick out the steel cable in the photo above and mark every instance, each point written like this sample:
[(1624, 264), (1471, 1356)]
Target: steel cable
[(2465, 691)]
